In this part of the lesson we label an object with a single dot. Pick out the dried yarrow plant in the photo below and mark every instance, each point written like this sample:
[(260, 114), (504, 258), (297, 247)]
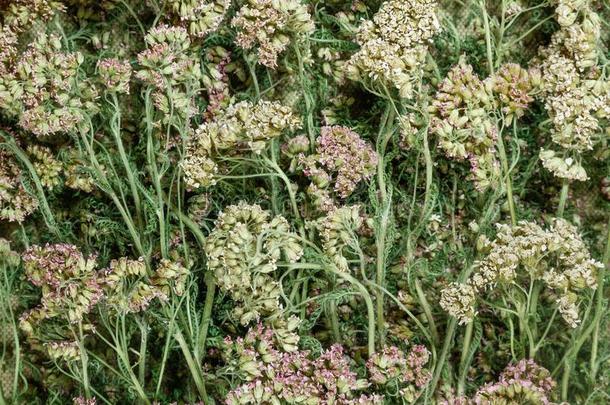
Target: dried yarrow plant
[(329, 202)]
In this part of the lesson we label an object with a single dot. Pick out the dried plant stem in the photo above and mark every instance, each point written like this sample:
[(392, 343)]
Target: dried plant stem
[(507, 180), (563, 198), (383, 215), (600, 309)]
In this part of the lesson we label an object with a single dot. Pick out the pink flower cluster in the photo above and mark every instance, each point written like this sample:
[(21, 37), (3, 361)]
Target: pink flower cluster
[(343, 158), (115, 74), (84, 401), (343, 152), (393, 364), (70, 285), (526, 377), (405, 371), (218, 92), (520, 383), (275, 376)]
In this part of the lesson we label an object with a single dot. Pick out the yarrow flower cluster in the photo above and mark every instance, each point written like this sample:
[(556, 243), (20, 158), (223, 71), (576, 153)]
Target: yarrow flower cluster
[(342, 158), (523, 382), (243, 251), (338, 230), (557, 257), (66, 350), (462, 114), (45, 89), (77, 175), (405, 371), (130, 289), (564, 168), (276, 376), (460, 118), (47, 167), (8, 257), (15, 201), (199, 17), (576, 93), (394, 45), (69, 282), (241, 127), (71, 286), (269, 26), (115, 75), (22, 15), (513, 88), (84, 401), (172, 70), (7, 376), (217, 65)]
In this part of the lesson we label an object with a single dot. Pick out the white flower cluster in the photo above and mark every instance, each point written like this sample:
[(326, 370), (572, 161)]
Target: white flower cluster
[(564, 168), (575, 93), (557, 256), (394, 44), (242, 252), (270, 26), (241, 127)]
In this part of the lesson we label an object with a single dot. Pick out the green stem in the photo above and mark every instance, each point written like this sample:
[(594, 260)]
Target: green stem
[(115, 128), (526, 333), (544, 335), (107, 187), (490, 57), (369, 306), (383, 216), (429, 172), (442, 359), (599, 307), (309, 124), (193, 366), (427, 311), (464, 363), (160, 209), (449, 334), (334, 321), (565, 379), (84, 361), (533, 308), (275, 187), (142, 353), (252, 70), (166, 349), (123, 350), (291, 194), (206, 317), (507, 179)]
